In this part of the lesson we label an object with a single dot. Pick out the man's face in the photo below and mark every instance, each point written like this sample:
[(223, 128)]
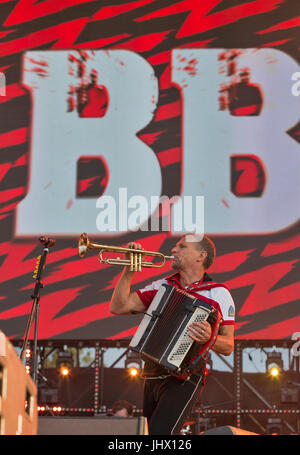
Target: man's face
[(186, 254), (122, 413)]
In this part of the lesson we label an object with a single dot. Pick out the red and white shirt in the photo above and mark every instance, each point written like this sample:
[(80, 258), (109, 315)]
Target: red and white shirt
[(216, 294)]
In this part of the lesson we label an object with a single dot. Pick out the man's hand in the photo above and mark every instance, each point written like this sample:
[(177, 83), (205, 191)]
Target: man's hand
[(200, 331), (134, 259), (134, 246)]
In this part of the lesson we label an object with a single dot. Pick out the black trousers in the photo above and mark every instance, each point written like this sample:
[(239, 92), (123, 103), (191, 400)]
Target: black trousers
[(168, 402)]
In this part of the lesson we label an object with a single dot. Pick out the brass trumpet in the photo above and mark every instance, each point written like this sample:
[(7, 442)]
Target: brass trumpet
[(135, 260)]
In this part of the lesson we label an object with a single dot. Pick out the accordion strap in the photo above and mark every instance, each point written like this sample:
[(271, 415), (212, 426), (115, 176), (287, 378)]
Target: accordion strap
[(209, 285)]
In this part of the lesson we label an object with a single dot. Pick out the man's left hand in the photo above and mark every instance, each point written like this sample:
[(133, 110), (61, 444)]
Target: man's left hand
[(200, 331)]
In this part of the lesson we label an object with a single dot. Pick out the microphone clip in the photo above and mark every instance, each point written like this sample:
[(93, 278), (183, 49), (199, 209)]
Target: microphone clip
[(47, 242), (154, 315)]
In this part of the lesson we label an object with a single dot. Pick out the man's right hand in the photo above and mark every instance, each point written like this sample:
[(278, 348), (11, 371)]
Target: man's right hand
[(134, 246)]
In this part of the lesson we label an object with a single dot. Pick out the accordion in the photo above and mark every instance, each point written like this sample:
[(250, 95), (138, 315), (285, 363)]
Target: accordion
[(162, 335)]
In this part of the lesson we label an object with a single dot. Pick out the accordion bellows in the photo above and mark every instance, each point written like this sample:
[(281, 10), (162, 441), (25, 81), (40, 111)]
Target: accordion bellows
[(162, 335)]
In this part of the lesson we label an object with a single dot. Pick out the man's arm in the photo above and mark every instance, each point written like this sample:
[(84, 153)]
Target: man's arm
[(201, 333), (123, 301), (225, 340)]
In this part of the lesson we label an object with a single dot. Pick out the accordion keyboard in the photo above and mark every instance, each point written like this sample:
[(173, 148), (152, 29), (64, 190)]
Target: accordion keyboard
[(184, 342)]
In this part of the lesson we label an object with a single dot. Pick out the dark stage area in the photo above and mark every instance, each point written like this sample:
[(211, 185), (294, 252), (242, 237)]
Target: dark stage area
[(265, 402)]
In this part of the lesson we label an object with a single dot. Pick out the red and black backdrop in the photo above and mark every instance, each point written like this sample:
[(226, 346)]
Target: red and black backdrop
[(261, 268)]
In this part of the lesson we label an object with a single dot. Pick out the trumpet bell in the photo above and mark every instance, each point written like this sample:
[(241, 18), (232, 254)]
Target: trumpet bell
[(83, 243)]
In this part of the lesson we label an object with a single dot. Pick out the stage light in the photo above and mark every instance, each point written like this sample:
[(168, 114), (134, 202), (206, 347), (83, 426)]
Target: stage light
[(274, 426), (56, 408), (64, 371), (274, 371), (133, 363), (64, 363), (133, 371), (48, 395), (290, 394), (274, 364), (41, 408)]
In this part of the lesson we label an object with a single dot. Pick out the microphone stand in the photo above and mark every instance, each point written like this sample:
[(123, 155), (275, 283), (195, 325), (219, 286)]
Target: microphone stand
[(35, 307)]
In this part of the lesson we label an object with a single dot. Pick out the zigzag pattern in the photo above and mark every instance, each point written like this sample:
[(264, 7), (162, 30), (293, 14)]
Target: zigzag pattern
[(260, 271)]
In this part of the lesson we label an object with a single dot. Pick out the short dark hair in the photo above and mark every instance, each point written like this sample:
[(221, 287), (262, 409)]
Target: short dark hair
[(207, 245), (122, 404)]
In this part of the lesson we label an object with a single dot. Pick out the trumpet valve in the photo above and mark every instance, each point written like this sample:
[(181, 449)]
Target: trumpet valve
[(131, 258), (139, 262)]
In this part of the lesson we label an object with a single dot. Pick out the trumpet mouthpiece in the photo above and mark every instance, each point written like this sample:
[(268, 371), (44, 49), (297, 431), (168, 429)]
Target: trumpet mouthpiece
[(169, 257)]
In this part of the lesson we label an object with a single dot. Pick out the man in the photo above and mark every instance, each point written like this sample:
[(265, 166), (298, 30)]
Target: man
[(122, 408), (167, 399)]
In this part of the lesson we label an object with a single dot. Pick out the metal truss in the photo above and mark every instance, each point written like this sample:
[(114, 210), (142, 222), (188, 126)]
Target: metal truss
[(237, 408)]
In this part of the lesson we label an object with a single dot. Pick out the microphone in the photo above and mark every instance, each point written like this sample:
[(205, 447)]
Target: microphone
[(47, 242)]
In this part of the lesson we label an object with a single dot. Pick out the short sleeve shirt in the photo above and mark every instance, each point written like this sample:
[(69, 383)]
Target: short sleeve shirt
[(219, 297)]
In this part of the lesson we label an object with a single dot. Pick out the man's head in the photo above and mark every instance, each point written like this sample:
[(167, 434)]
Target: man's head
[(193, 251), (207, 245), (122, 408)]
